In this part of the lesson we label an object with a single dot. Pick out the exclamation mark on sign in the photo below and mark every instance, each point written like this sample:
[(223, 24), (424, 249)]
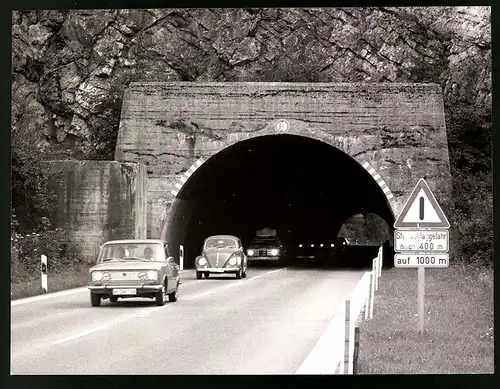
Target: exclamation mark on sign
[(421, 208)]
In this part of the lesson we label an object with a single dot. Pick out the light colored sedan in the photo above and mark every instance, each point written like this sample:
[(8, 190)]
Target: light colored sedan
[(134, 268)]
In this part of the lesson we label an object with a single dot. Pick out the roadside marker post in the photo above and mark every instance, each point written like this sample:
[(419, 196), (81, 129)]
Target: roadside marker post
[(181, 257), (43, 270), (421, 238)]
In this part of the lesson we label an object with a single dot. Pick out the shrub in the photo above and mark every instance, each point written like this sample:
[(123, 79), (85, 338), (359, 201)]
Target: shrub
[(26, 250), (32, 198)]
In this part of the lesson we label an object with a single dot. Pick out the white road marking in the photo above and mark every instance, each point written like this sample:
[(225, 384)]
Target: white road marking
[(48, 296), (265, 274), (201, 295), (62, 293)]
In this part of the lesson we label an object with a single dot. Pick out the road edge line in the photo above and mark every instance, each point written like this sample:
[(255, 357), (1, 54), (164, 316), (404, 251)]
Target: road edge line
[(65, 292)]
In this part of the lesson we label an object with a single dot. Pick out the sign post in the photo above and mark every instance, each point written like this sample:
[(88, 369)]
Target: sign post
[(181, 257), (421, 238), (43, 269)]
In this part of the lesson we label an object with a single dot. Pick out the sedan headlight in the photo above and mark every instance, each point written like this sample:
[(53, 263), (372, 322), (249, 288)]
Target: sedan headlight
[(106, 276), (274, 252), (143, 276), (250, 252), (96, 276), (202, 261)]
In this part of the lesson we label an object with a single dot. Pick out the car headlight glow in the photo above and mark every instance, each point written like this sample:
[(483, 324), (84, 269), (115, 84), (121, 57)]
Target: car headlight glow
[(232, 261), (300, 245), (250, 252), (274, 252), (343, 242), (152, 275), (106, 276), (332, 245), (96, 276), (312, 245), (321, 245), (202, 261)]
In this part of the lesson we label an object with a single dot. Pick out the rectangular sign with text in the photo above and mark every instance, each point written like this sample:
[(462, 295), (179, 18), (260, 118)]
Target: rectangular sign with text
[(436, 241), (421, 260)]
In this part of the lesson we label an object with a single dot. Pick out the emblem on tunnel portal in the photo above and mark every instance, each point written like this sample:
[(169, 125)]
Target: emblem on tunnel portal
[(281, 125)]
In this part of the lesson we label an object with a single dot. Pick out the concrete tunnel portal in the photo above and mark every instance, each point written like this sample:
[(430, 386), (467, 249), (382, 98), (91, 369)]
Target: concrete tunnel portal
[(304, 188)]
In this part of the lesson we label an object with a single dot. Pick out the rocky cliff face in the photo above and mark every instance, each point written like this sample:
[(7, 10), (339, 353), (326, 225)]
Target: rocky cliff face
[(70, 68)]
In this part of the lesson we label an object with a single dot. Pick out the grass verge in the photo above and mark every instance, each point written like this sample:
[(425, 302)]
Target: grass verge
[(68, 279), (458, 329)]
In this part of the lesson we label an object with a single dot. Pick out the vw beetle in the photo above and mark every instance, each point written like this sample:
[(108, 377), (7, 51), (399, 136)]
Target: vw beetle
[(222, 254), (134, 268)]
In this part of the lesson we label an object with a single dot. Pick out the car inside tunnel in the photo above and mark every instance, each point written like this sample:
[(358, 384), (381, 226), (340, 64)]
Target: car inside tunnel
[(303, 188)]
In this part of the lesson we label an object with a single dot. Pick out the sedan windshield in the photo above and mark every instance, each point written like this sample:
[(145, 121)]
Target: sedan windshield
[(132, 251), (221, 243)]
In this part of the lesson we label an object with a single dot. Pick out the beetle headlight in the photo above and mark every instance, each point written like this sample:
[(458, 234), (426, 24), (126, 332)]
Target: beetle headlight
[(274, 252), (96, 276), (233, 261), (152, 275), (250, 252), (106, 276), (202, 261)]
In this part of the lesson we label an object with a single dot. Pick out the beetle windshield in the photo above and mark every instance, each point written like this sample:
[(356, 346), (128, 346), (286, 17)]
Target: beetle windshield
[(132, 251), (221, 243)]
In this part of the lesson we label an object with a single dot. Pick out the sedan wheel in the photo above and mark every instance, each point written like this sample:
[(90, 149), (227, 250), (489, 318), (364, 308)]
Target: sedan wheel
[(113, 299), (174, 295), (95, 299), (160, 297)]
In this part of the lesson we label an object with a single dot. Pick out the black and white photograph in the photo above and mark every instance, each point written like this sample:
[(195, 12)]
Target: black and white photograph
[(251, 191)]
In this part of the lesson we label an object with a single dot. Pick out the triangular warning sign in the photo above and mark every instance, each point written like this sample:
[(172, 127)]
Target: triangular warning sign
[(421, 210)]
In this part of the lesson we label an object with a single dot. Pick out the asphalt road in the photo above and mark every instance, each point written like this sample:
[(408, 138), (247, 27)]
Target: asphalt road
[(264, 324)]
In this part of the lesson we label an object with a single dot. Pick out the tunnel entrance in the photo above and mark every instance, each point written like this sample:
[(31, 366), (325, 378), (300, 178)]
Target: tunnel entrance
[(367, 229), (302, 187)]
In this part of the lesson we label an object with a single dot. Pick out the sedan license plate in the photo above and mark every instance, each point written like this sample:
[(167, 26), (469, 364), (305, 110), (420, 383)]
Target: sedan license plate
[(217, 270), (124, 291)]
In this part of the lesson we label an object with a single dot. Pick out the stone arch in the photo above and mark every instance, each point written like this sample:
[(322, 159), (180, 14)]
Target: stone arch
[(343, 144)]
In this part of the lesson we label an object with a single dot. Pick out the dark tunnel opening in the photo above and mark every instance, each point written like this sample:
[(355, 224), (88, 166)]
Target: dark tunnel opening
[(303, 188)]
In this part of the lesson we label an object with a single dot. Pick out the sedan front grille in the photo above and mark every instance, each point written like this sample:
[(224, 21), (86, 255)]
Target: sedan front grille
[(124, 275), (264, 253)]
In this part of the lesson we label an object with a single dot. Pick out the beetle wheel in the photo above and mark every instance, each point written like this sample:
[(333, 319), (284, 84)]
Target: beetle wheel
[(207, 274), (198, 275)]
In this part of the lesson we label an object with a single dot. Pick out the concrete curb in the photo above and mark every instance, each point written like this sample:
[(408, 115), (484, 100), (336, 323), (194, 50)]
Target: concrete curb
[(61, 293)]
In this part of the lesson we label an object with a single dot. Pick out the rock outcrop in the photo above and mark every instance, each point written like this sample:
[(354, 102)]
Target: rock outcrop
[(71, 67)]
